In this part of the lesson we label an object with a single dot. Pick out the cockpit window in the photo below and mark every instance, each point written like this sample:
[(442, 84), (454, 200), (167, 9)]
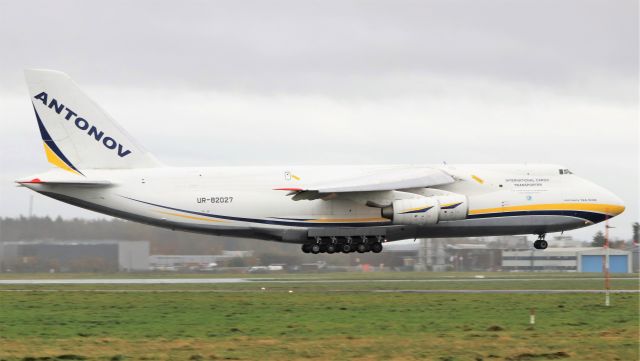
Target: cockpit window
[(565, 171)]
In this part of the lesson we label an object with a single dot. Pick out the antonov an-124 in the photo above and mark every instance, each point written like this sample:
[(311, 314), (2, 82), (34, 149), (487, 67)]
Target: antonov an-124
[(328, 209)]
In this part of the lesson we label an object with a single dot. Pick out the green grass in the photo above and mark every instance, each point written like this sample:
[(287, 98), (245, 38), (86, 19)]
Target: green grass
[(238, 321)]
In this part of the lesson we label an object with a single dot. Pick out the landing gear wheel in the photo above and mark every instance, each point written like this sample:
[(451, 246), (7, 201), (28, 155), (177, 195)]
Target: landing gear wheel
[(331, 248), (362, 248), (346, 248), (306, 248), (315, 248), (540, 243), (376, 247)]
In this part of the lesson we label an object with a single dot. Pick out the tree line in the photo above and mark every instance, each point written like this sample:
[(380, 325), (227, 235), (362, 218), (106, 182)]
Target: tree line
[(162, 241)]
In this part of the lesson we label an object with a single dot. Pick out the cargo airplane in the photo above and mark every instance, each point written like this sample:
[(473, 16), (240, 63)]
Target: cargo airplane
[(329, 209)]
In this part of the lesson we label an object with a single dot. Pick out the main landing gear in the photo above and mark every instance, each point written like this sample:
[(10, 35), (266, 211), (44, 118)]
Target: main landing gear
[(540, 243), (344, 244)]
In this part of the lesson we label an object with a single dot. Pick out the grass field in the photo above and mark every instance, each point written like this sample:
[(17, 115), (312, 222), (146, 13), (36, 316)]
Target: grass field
[(320, 320)]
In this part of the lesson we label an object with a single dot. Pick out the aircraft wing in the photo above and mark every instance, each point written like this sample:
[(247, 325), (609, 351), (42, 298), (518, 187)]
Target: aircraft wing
[(386, 180)]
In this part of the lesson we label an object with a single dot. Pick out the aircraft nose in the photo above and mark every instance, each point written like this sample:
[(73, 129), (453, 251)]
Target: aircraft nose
[(620, 205), (615, 205)]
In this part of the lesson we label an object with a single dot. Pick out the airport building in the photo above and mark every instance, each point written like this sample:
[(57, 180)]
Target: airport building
[(74, 256), (439, 255), (582, 259), (178, 262)]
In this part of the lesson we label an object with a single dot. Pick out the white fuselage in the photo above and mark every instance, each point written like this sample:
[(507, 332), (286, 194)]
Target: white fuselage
[(250, 202)]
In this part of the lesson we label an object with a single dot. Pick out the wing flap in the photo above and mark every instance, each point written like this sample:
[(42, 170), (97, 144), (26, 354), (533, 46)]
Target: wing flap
[(375, 189)]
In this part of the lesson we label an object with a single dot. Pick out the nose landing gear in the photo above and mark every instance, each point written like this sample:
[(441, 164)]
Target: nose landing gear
[(540, 243)]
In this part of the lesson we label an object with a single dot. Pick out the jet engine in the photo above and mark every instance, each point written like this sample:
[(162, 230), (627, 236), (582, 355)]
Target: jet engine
[(427, 210), (453, 207)]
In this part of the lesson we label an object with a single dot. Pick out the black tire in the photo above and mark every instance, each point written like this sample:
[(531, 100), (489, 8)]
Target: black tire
[(306, 248), (542, 244), (331, 248), (362, 248), (315, 248), (346, 248), (376, 247)]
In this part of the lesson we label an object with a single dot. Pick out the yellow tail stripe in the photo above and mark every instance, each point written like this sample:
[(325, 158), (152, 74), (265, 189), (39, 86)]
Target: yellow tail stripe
[(55, 160)]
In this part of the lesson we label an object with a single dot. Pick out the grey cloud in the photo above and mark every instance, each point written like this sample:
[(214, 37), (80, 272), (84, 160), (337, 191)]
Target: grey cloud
[(294, 46)]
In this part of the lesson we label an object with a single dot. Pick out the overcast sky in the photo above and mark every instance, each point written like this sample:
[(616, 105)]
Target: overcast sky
[(342, 82)]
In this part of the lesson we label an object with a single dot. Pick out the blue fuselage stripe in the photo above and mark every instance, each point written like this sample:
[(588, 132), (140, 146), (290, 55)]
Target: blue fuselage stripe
[(269, 221), (590, 216)]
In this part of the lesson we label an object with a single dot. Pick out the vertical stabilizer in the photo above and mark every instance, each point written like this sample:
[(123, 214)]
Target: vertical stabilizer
[(76, 132)]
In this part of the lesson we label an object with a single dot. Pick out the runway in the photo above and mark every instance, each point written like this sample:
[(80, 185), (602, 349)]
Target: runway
[(151, 281), (124, 281), (458, 291), (262, 285)]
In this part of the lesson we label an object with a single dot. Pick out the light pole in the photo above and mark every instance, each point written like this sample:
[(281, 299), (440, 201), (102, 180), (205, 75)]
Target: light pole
[(605, 264)]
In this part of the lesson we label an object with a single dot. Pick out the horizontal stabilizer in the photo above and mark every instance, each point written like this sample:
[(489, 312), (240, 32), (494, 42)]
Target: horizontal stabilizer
[(75, 182)]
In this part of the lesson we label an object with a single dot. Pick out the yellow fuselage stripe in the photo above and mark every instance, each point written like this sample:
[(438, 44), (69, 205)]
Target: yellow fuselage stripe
[(196, 218), (588, 207), (343, 220)]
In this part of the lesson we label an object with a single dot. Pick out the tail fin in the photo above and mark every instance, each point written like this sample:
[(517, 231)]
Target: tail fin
[(77, 133)]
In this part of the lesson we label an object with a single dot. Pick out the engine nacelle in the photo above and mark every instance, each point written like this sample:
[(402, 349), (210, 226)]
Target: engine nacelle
[(427, 210), (418, 211), (453, 207)]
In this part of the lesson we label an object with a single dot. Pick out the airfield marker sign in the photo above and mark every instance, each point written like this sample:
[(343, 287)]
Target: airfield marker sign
[(605, 264), (532, 316)]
